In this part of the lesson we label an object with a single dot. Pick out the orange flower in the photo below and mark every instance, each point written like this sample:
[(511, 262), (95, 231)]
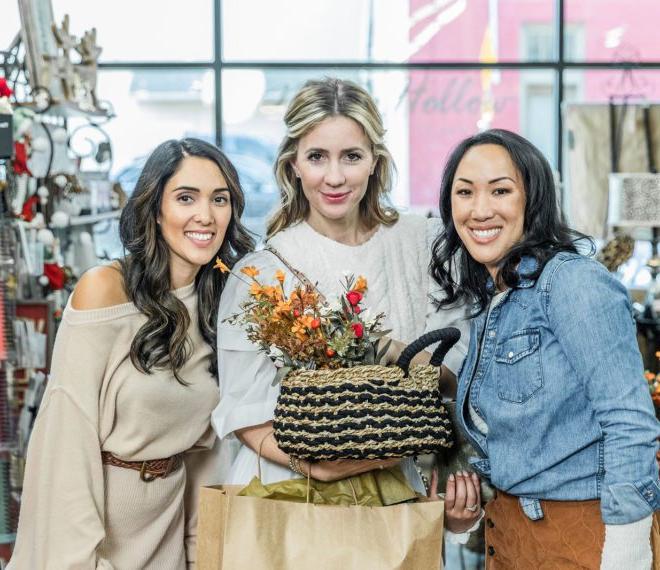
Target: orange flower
[(273, 293), (256, 290), (221, 266), (250, 271), (280, 276), (283, 307), (360, 285), (307, 321), (299, 330)]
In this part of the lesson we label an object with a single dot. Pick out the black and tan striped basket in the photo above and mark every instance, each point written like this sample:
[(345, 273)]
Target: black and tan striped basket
[(366, 412)]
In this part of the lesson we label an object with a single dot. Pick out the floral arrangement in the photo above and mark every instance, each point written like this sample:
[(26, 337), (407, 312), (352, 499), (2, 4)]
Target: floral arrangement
[(654, 386), (302, 330)]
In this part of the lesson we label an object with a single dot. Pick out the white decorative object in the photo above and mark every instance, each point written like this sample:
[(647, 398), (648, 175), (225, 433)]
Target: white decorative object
[(40, 144), (43, 194), (86, 70), (72, 207), (59, 135), (48, 53), (60, 180), (41, 51), (634, 200), (38, 222), (5, 106), (59, 219), (21, 194), (46, 237)]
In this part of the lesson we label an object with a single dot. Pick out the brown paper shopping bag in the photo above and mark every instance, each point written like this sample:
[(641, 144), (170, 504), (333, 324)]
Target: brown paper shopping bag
[(237, 533)]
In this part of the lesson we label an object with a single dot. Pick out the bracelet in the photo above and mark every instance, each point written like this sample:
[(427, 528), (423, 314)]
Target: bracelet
[(294, 465)]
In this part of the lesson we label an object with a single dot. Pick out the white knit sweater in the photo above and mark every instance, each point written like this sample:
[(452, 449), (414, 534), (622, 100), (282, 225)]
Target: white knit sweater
[(395, 263)]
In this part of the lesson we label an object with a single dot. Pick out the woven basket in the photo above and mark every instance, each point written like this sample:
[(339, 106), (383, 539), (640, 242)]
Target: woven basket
[(366, 412)]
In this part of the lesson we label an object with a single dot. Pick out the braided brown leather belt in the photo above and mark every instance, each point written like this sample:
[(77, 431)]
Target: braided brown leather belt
[(149, 470)]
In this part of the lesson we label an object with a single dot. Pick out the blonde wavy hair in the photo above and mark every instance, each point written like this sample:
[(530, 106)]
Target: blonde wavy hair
[(316, 101)]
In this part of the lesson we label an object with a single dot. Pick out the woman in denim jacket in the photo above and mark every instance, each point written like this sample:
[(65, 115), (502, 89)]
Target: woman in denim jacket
[(551, 393)]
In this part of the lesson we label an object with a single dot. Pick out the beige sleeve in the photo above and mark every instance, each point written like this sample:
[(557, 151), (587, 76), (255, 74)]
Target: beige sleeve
[(203, 467), (61, 521), (62, 506)]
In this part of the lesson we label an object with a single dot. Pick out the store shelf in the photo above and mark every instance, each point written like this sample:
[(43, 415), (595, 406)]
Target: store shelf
[(70, 109), (94, 218)]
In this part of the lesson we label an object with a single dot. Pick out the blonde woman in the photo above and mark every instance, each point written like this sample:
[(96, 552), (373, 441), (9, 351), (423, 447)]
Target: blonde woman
[(334, 172)]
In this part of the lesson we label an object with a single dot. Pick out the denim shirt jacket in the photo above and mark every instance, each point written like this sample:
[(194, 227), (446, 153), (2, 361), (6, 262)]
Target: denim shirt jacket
[(560, 384)]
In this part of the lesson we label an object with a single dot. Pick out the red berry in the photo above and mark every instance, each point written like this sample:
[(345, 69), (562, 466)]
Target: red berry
[(358, 330), (354, 297)]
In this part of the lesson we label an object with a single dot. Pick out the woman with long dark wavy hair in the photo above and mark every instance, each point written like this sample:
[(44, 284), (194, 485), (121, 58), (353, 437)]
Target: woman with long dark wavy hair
[(111, 476), (551, 393)]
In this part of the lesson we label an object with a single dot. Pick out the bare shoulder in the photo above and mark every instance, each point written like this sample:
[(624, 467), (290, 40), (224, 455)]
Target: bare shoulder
[(98, 288)]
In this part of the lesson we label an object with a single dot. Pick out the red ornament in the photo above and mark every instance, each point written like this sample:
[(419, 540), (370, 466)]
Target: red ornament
[(354, 297), (357, 309), (20, 159), (29, 208), (329, 352), (296, 313), (358, 330), (5, 91), (316, 323), (56, 276)]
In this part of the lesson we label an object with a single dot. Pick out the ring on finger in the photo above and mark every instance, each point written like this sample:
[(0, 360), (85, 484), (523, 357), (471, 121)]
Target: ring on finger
[(471, 508)]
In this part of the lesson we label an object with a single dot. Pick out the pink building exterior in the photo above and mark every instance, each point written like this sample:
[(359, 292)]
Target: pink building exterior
[(445, 106)]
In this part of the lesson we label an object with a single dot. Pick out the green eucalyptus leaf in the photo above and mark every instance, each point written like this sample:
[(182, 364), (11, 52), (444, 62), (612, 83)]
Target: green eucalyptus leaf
[(380, 334), (369, 355)]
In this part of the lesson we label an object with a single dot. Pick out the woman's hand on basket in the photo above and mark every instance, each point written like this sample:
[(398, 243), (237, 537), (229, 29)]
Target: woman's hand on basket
[(462, 500), (342, 468)]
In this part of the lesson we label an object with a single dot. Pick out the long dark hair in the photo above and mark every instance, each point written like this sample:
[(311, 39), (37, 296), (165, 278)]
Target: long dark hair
[(545, 231), (163, 340)]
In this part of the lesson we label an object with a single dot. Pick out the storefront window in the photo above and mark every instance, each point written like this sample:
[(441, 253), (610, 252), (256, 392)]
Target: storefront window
[(615, 30), (144, 30), (397, 31), (425, 112)]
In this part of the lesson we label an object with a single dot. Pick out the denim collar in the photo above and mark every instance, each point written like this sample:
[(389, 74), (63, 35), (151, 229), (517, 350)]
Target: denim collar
[(526, 266)]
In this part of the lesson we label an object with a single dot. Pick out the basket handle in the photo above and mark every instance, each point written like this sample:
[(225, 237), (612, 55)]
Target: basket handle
[(447, 337)]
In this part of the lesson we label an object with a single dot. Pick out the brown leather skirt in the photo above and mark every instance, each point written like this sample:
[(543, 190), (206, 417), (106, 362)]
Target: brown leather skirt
[(570, 536)]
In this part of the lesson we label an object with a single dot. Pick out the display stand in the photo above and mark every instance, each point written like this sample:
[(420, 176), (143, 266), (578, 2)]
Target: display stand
[(51, 196)]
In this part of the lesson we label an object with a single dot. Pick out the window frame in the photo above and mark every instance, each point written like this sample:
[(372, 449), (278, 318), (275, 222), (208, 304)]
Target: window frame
[(559, 66)]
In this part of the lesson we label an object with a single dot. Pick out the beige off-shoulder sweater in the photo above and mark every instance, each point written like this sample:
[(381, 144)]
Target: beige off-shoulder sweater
[(77, 512)]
